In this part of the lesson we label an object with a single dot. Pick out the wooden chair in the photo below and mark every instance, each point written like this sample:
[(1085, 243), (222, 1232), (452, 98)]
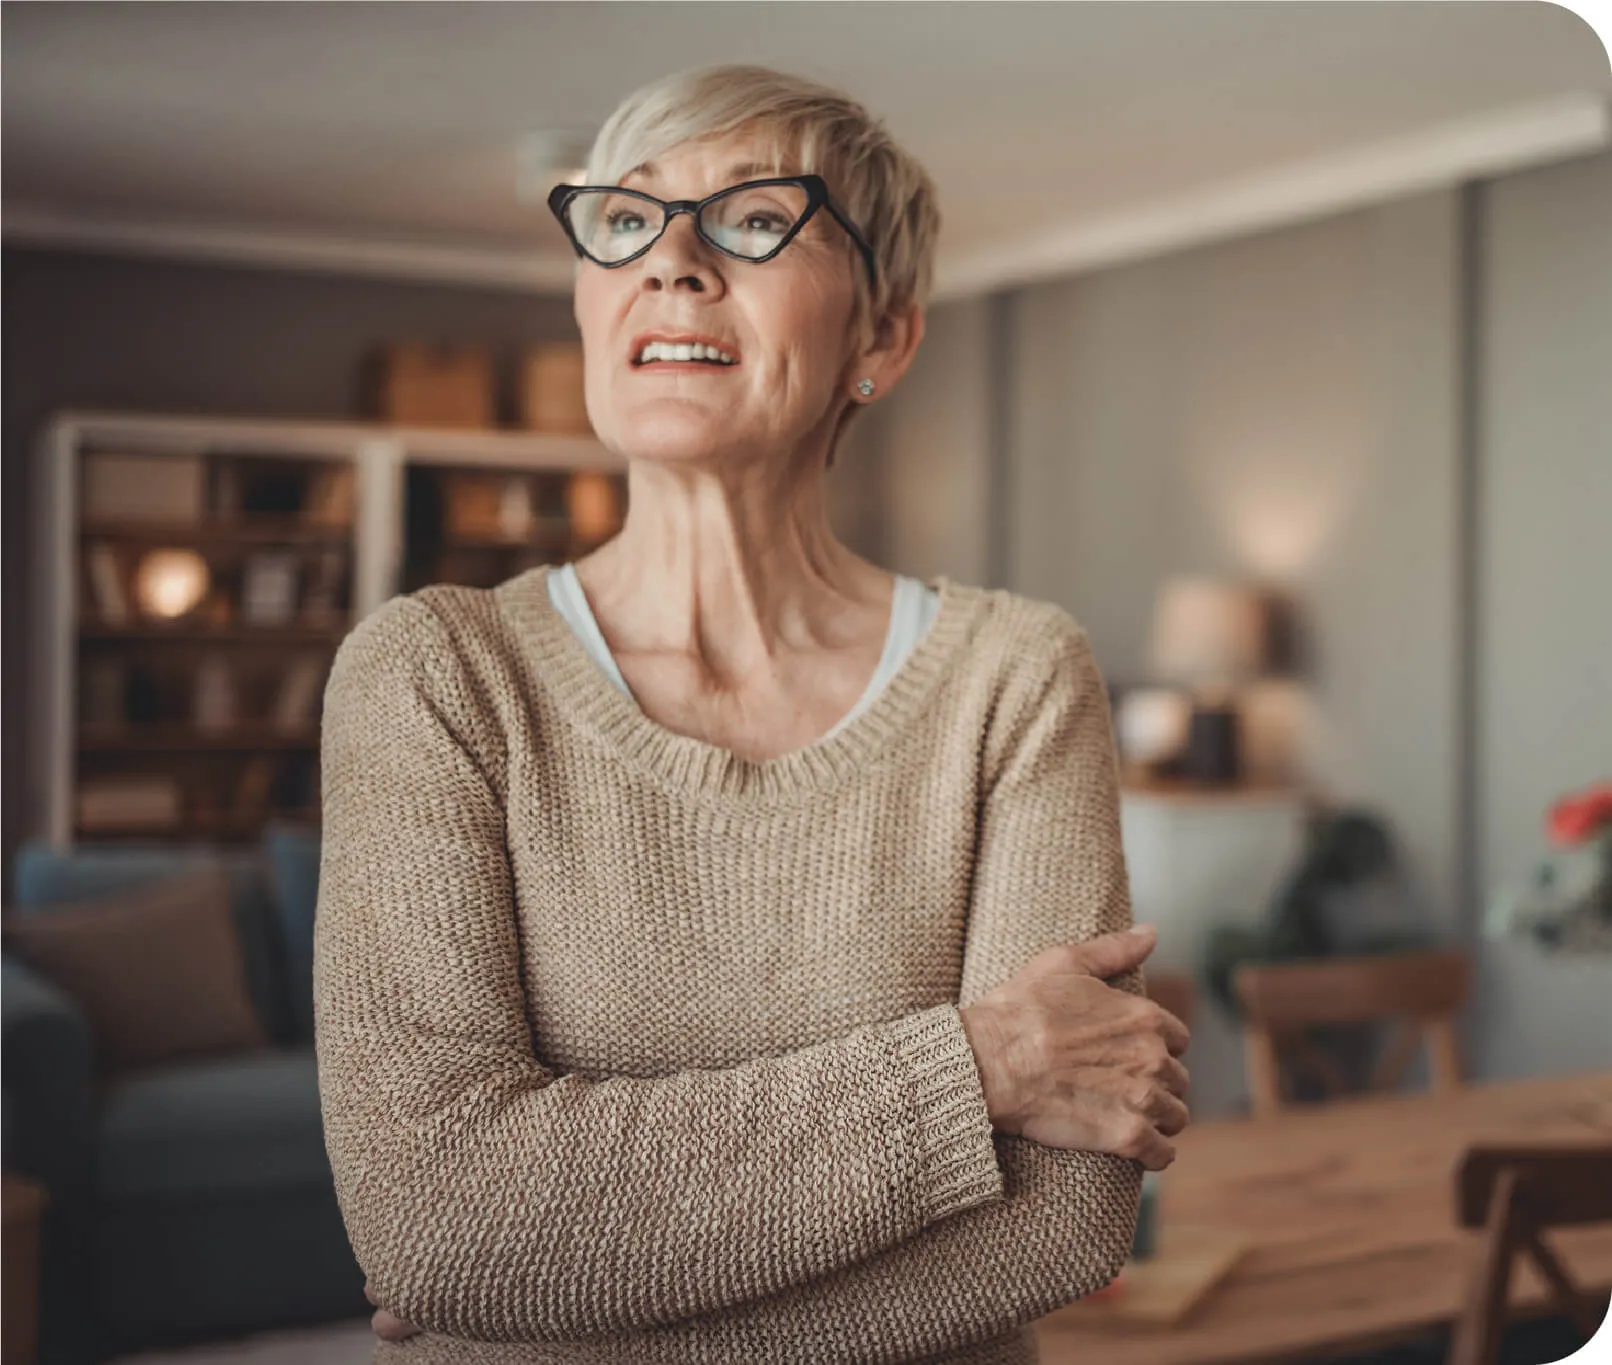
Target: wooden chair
[(1516, 1193), (1423, 990), (1173, 990)]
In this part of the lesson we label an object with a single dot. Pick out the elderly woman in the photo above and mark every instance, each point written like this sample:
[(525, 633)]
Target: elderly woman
[(719, 951)]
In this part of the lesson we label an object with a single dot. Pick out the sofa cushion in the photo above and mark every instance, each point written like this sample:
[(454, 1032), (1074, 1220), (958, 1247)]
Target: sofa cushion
[(156, 969), (293, 857), (244, 1125), (44, 876)]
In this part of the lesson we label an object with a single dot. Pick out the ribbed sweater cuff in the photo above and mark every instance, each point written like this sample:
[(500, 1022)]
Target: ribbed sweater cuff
[(954, 1127)]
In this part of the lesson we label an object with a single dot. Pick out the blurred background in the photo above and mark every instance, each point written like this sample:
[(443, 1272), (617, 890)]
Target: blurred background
[(1271, 340)]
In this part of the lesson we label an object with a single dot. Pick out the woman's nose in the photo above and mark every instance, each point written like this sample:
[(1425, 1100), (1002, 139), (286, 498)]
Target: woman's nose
[(681, 257)]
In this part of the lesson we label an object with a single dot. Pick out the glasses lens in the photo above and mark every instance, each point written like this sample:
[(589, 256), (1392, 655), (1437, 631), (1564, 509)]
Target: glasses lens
[(753, 219), (610, 226)]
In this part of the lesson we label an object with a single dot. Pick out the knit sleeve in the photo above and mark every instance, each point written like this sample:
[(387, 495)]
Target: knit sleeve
[(489, 1198), (1050, 869)]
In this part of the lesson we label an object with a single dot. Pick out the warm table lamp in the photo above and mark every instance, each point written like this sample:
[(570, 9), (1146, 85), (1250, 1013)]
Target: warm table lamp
[(1210, 637)]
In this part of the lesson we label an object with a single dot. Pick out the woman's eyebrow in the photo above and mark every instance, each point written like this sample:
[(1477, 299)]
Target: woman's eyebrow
[(743, 171), (748, 169)]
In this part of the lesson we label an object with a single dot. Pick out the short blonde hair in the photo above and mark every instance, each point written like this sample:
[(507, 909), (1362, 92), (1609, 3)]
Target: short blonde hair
[(812, 129)]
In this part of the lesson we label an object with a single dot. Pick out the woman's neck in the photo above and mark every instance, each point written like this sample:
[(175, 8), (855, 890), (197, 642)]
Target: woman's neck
[(732, 574)]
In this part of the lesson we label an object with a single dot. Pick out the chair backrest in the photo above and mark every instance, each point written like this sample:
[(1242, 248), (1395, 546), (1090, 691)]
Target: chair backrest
[(1423, 991), (1173, 990), (1515, 1193)]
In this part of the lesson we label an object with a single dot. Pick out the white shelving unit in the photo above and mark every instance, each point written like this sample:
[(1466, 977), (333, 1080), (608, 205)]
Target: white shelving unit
[(381, 457)]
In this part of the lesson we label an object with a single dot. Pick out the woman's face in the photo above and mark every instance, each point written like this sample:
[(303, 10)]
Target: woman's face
[(786, 321)]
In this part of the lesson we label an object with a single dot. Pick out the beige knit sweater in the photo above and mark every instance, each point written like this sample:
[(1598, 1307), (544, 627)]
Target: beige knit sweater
[(632, 1049)]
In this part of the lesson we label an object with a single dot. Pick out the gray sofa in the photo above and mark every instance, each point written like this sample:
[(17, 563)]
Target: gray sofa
[(189, 1203)]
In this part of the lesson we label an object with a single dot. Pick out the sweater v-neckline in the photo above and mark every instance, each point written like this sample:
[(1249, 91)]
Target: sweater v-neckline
[(901, 608), (710, 772)]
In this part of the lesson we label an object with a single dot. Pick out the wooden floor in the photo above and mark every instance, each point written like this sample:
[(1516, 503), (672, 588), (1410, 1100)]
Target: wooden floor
[(346, 1343)]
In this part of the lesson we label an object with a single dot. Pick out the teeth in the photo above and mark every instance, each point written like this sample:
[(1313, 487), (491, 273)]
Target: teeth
[(665, 350)]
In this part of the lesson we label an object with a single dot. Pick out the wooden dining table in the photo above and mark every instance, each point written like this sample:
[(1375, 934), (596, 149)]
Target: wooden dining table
[(1348, 1211)]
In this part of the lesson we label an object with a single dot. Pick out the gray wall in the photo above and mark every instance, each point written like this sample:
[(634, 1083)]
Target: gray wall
[(1289, 407), (933, 439), (1280, 408), (1544, 609)]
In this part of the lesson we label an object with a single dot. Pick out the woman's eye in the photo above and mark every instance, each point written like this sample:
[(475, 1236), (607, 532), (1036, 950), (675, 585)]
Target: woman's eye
[(765, 222), (626, 222)]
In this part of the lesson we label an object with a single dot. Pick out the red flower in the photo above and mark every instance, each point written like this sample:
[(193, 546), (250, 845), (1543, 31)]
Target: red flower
[(1575, 818)]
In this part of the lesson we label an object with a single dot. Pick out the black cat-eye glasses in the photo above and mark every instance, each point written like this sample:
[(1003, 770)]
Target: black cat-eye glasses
[(750, 222)]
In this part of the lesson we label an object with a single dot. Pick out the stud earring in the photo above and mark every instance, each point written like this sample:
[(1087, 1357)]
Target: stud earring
[(865, 387)]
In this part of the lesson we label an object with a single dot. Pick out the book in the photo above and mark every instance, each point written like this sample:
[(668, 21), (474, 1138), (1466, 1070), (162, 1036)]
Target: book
[(126, 487), (102, 694), (269, 588), (253, 787), (213, 705), (330, 497), (115, 802), (590, 501), (322, 605), (227, 499), (299, 695), (515, 511), (473, 507), (106, 585)]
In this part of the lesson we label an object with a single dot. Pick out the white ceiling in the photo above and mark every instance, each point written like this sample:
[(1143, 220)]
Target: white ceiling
[(1061, 135)]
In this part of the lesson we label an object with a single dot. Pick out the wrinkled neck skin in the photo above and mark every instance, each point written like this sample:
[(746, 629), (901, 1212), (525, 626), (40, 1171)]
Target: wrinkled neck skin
[(733, 566)]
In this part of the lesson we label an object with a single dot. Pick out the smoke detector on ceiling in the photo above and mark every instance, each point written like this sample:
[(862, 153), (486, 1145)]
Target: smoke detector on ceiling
[(546, 159)]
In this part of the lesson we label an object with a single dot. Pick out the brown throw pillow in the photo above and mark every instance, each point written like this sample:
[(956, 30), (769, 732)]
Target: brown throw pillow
[(157, 970)]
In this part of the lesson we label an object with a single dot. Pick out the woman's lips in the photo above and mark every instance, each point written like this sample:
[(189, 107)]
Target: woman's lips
[(682, 365)]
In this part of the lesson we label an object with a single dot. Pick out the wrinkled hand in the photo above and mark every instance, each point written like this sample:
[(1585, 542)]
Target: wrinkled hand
[(388, 1326), (1072, 1062)]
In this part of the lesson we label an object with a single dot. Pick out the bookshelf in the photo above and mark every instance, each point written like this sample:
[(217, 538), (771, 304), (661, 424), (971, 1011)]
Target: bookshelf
[(196, 575)]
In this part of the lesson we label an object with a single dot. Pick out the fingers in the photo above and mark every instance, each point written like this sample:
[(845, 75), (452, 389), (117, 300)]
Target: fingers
[(1169, 1114), (1110, 954), (1174, 1077), (1176, 1034), (1158, 1153), (390, 1327), (1146, 1144)]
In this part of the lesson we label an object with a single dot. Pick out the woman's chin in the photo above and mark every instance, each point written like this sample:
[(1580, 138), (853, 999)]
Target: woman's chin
[(672, 438)]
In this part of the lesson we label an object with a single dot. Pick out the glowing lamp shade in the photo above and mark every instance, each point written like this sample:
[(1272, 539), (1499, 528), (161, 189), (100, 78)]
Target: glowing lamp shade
[(1152, 724), (170, 583), (1208, 635)]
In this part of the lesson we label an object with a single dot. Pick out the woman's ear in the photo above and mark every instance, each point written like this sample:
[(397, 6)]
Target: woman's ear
[(895, 342)]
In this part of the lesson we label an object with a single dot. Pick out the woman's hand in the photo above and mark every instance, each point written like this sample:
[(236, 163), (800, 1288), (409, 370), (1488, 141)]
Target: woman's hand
[(388, 1326), (1070, 1061)]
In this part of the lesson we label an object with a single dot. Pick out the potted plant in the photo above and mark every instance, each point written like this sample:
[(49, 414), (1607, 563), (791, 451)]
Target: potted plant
[(1343, 849), (1569, 902)]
